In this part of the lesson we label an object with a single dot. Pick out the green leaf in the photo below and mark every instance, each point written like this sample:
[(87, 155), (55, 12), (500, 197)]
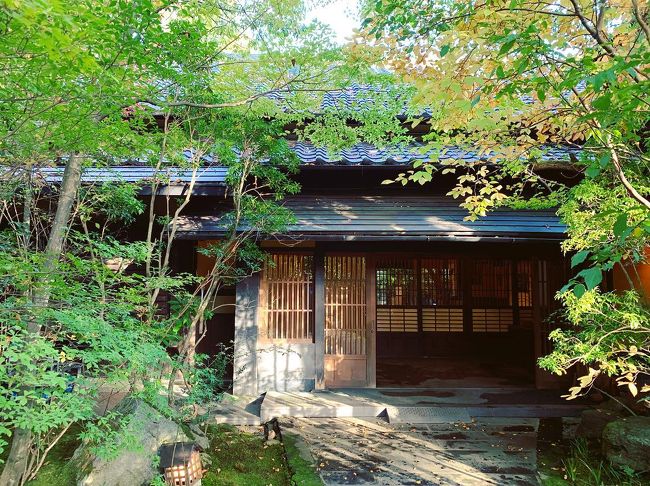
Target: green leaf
[(620, 225), (593, 171), (505, 48), (592, 277), (579, 257), (604, 160), (603, 103), (444, 50), (579, 290)]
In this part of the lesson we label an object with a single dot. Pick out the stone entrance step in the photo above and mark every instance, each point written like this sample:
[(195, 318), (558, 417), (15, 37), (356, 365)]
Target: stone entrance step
[(426, 415), (401, 409), (323, 404), (235, 411)]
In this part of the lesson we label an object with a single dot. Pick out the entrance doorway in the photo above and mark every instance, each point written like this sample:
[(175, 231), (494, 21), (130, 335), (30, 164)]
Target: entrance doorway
[(349, 333), (451, 321)]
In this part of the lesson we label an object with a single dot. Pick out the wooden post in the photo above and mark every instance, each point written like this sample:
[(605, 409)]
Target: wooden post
[(514, 292), (540, 375), (371, 334), (418, 302), (466, 272), (319, 319)]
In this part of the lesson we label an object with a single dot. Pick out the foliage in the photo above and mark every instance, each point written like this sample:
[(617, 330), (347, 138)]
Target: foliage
[(59, 468), (580, 463), (167, 86), (611, 331), (510, 81)]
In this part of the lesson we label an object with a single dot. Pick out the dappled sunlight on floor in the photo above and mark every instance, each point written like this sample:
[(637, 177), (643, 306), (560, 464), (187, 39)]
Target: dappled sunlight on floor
[(497, 451)]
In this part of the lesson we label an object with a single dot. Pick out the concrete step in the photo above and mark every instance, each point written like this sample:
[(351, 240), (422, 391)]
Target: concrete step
[(235, 411), (317, 404), (426, 415), (329, 404)]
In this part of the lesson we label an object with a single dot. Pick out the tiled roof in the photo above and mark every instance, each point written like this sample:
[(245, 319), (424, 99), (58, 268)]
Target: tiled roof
[(366, 154), (388, 217), (206, 175), (362, 154)]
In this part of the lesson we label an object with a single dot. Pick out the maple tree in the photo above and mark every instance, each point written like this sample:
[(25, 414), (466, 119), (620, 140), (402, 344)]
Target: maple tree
[(511, 80)]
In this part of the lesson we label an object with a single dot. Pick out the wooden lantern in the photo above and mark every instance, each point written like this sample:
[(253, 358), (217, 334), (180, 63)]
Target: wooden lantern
[(181, 463)]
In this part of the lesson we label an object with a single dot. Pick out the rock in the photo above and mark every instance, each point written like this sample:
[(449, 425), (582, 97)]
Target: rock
[(272, 430), (594, 420), (626, 443), (131, 467), (199, 437), (206, 459), (202, 441)]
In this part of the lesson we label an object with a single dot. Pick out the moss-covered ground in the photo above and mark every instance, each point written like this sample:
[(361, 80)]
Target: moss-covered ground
[(239, 458), (244, 459)]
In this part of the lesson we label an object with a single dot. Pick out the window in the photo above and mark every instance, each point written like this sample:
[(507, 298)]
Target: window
[(442, 300), (492, 295), (287, 297), (397, 306), (427, 294)]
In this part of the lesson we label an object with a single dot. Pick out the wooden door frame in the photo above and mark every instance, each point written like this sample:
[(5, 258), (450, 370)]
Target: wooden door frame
[(371, 324), (319, 316)]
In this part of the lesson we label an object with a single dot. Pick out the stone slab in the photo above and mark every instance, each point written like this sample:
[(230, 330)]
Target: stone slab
[(426, 415), (317, 404), (235, 411)]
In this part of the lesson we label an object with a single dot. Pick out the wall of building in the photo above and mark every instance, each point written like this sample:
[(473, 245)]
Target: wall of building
[(263, 366)]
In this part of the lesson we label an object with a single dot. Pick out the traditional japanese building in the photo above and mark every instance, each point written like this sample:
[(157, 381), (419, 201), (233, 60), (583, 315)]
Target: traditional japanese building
[(379, 285)]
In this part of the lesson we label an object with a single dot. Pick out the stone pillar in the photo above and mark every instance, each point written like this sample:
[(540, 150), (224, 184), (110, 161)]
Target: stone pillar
[(246, 333)]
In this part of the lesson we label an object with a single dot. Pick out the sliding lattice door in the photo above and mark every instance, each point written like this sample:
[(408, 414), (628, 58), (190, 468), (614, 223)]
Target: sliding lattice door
[(346, 322)]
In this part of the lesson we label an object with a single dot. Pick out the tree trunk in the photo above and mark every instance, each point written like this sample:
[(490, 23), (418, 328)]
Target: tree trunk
[(15, 473)]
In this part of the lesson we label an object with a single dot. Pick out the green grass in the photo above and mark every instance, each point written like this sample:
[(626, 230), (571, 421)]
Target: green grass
[(303, 471), (580, 463), (243, 459)]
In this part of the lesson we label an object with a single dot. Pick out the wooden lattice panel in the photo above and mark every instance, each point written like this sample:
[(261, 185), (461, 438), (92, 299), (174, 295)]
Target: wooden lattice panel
[(397, 295), (492, 320), (442, 320), (397, 320), (288, 297), (345, 305), (440, 282)]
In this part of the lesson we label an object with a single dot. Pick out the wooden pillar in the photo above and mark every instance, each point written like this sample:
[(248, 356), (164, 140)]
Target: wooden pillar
[(371, 311), (514, 292), (319, 319), (418, 299), (543, 379), (466, 272)]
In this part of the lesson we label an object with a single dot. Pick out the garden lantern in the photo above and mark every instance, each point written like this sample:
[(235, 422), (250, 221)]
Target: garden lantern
[(181, 463)]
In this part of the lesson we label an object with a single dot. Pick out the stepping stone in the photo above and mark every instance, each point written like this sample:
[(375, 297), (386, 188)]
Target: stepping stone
[(234, 412), (426, 415)]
